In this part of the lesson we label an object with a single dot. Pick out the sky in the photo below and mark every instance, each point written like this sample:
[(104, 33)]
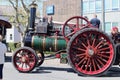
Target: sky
[(4, 2)]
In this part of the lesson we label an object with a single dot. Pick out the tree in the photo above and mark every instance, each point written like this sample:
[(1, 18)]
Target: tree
[(21, 11), (16, 8)]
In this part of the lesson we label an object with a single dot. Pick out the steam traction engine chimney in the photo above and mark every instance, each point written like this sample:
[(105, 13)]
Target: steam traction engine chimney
[(32, 16), (28, 36)]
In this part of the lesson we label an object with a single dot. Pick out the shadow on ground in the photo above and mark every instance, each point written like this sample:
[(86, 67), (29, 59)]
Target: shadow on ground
[(50, 69), (113, 72)]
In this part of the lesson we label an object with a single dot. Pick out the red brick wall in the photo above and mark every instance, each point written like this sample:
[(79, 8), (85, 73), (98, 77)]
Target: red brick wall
[(64, 9)]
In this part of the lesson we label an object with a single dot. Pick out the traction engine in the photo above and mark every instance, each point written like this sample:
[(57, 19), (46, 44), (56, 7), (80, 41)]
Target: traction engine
[(90, 51)]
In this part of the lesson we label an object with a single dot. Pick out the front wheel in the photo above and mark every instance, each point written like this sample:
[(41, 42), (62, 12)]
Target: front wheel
[(24, 59), (90, 52)]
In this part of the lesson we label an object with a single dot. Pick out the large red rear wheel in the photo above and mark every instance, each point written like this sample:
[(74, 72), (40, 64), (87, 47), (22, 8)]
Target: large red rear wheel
[(24, 59), (90, 52)]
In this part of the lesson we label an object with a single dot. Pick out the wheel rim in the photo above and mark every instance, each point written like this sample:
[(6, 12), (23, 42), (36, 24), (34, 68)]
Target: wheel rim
[(74, 24), (24, 60), (91, 53)]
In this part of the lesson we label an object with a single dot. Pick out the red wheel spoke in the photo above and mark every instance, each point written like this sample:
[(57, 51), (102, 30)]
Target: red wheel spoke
[(102, 59), (70, 34), (83, 65), (101, 63), (80, 54), (103, 52), (88, 42), (93, 43), (87, 64), (84, 45), (93, 62), (18, 61), (99, 44), (71, 26), (97, 64), (90, 65), (104, 49), (77, 25), (29, 65), (101, 55), (79, 49), (31, 59), (83, 59)]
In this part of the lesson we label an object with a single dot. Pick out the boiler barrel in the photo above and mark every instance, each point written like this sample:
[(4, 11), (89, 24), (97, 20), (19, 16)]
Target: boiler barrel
[(48, 43)]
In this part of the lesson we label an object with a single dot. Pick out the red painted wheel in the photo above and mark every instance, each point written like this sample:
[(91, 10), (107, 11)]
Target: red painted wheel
[(74, 24), (90, 52), (24, 59)]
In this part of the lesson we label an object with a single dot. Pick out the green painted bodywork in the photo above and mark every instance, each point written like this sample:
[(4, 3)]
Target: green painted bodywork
[(48, 43)]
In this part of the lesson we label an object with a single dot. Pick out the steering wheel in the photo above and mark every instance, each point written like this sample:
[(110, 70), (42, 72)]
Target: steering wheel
[(72, 25)]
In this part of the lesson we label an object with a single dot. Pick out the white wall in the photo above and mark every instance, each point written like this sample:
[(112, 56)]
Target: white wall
[(15, 35)]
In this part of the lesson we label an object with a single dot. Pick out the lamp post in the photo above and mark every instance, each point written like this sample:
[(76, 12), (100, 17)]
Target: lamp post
[(81, 7), (103, 15)]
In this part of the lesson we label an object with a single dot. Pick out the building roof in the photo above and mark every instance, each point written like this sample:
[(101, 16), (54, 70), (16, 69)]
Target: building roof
[(4, 22)]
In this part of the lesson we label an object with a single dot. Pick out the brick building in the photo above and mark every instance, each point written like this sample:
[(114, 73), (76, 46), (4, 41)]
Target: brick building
[(61, 10)]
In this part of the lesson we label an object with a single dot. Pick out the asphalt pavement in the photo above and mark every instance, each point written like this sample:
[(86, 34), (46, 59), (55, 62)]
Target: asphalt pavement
[(51, 69)]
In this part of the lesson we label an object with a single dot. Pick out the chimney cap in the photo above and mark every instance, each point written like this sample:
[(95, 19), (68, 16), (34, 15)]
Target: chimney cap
[(33, 5)]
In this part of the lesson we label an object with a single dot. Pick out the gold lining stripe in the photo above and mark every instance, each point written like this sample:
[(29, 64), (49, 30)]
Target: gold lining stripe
[(44, 43), (56, 44), (32, 42)]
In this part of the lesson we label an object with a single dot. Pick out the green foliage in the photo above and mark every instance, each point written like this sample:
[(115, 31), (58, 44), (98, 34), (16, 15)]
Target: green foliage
[(14, 46)]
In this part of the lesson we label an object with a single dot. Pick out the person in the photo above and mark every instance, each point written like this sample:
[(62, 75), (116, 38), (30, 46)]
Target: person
[(114, 30), (115, 34), (95, 21), (50, 26), (3, 50)]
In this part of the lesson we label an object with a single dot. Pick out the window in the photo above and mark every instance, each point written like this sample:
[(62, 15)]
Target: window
[(98, 6), (108, 5), (114, 24), (10, 36), (92, 6), (107, 27), (115, 4), (85, 7)]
